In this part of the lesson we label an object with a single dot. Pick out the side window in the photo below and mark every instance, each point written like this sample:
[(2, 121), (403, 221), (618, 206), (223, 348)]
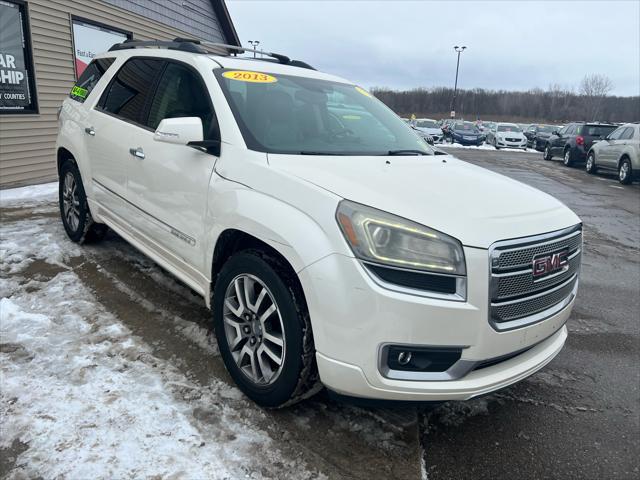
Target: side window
[(563, 130), (89, 78), (570, 130), (617, 134), (131, 88), (627, 134), (181, 93)]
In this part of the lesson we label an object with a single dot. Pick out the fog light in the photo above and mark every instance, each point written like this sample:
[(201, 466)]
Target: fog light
[(404, 358)]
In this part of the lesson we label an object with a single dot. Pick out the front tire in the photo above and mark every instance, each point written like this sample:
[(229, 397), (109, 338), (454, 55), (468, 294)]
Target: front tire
[(263, 330), (74, 208), (625, 173), (591, 167), (547, 152)]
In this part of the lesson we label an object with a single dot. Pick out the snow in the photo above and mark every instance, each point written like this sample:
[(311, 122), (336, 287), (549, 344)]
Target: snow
[(89, 399), (486, 146), (32, 193)]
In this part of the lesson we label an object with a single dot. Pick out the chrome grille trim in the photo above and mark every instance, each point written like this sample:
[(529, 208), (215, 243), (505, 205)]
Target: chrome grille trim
[(516, 299)]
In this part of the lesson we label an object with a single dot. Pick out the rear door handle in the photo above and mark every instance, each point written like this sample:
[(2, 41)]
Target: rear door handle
[(90, 131), (137, 152)]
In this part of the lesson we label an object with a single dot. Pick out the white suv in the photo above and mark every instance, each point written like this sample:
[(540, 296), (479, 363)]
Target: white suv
[(333, 245)]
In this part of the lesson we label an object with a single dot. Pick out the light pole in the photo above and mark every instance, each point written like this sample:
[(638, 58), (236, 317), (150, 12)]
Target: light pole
[(459, 50), (254, 44)]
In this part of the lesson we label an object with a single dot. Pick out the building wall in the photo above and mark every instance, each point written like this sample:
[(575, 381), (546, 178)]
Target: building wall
[(192, 16), (27, 142)]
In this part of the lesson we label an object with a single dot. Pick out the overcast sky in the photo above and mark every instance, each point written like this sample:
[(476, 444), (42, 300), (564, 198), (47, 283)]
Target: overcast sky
[(513, 45)]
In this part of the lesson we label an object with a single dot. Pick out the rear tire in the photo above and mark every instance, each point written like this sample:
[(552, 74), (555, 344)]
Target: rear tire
[(591, 166), (547, 152), (567, 159), (270, 356), (74, 209), (625, 173)]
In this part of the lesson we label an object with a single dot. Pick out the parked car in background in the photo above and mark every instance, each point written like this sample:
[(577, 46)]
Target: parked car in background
[(537, 135), (619, 152), (573, 141), (429, 127), (507, 135), (465, 133)]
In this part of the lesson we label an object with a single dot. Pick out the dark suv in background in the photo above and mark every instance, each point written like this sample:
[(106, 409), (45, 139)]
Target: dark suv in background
[(574, 140), (537, 135)]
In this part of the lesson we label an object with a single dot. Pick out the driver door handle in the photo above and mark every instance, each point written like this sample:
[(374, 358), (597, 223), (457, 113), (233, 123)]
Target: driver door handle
[(137, 152), (90, 131)]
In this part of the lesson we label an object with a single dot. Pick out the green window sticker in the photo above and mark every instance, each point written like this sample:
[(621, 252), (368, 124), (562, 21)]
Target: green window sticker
[(79, 92)]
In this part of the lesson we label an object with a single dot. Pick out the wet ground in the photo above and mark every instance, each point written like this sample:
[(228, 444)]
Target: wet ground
[(577, 418)]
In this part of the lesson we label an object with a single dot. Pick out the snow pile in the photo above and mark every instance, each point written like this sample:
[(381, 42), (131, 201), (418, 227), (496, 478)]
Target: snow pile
[(31, 194), (486, 146)]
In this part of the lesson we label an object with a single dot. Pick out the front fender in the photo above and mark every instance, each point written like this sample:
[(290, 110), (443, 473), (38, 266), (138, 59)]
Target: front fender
[(296, 235)]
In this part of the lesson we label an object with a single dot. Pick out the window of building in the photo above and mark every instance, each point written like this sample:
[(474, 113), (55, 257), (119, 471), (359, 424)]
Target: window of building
[(89, 78), (17, 79), (90, 39), (129, 91)]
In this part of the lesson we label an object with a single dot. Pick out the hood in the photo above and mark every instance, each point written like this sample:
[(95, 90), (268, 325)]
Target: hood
[(430, 131), (543, 134), (467, 133), (510, 134), (470, 203)]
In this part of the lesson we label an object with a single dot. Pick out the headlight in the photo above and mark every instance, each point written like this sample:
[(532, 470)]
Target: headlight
[(380, 237)]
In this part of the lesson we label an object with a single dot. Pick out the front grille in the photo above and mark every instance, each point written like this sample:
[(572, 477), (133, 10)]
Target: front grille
[(517, 298), (512, 139)]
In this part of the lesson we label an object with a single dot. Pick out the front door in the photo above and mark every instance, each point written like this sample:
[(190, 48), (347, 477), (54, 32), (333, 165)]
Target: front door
[(169, 183)]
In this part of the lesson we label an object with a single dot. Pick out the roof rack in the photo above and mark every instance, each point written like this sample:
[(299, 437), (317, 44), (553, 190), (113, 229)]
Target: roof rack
[(198, 46)]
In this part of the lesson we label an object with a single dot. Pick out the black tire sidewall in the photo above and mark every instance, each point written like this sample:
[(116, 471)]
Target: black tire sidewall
[(283, 388), (79, 234)]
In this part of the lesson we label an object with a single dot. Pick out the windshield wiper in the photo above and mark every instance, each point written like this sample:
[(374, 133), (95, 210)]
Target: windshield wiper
[(311, 152), (406, 151)]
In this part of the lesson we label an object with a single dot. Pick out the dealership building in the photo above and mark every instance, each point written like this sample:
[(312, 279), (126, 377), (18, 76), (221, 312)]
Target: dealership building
[(46, 44)]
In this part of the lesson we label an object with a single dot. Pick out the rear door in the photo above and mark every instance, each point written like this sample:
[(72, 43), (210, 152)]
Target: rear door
[(169, 183), (113, 124), (608, 152)]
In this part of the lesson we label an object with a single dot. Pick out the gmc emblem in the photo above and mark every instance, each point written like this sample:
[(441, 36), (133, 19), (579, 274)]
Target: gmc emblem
[(549, 263)]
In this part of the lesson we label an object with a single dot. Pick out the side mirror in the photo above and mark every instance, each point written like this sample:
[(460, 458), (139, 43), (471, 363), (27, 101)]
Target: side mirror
[(555, 132), (179, 131)]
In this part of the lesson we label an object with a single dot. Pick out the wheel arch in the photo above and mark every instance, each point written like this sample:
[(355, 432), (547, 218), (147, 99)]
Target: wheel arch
[(623, 157), (62, 155)]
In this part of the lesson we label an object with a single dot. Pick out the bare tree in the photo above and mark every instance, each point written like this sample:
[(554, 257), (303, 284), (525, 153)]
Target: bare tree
[(595, 88)]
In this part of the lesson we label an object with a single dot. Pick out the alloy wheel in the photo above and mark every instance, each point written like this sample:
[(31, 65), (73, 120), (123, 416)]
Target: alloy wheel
[(567, 157), (624, 171), (71, 202), (254, 330)]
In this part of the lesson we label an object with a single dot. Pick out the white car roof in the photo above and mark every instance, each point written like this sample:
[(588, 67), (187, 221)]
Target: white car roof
[(219, 61)]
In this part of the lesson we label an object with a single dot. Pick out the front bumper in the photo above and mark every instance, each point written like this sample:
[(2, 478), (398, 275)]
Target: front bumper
[(501, 142), (354, 317)]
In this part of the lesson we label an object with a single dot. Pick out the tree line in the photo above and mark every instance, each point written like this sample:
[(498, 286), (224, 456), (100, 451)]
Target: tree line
[(554, 105)]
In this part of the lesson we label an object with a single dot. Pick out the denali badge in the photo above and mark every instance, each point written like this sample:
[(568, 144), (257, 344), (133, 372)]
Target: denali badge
[(549, 263)]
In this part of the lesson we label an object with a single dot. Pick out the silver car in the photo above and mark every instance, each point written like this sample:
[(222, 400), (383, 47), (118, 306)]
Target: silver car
[(619, 151)]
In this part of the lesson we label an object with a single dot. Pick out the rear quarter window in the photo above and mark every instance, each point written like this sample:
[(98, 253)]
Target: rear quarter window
[(598, 130), (89, 78)]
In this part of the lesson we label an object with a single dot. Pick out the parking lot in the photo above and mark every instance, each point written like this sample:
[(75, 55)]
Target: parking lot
[(577, 418)]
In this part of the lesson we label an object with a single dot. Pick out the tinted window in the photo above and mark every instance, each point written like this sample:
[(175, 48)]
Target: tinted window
[(181, 93), (617, 134), (570, 130), (509, 128), (130, 89), (598, 130), (89, 78)]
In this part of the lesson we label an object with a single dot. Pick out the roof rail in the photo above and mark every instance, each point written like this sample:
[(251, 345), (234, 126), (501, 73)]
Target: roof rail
[(198, 46)]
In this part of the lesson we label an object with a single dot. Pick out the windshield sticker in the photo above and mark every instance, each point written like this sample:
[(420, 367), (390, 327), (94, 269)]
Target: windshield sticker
[(352, 117), (253, 77), (363, 92), (79, 92)]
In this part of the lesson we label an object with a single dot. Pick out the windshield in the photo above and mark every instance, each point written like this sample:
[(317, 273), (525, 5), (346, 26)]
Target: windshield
[(466, 127), (509, 128), (298, 115), (547, 128), (427, 124)]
